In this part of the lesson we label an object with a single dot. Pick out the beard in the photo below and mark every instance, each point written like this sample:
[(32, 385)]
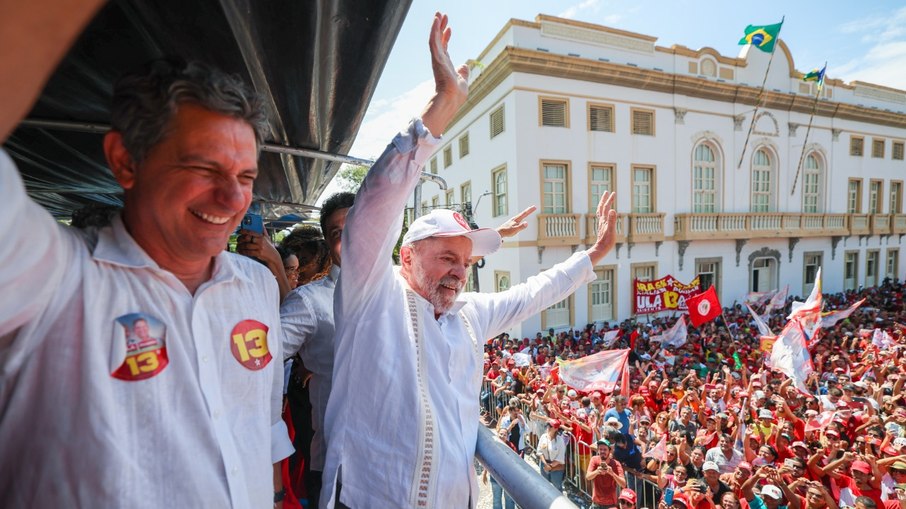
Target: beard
[(441, 298)]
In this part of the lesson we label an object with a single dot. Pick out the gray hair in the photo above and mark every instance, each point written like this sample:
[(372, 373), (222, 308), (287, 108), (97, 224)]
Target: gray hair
[(144, 102)]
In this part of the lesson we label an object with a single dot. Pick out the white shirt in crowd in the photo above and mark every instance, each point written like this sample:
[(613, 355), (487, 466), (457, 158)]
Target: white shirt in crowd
[(553, 449), (308, 328), (402, 420), (88, 420)]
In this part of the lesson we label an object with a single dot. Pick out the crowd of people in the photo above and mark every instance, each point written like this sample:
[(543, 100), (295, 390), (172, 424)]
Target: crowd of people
[(707, 423)]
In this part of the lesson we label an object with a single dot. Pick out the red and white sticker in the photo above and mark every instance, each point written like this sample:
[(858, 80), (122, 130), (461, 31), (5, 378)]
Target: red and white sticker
[(461, 220), (248, 342), (140, 347)]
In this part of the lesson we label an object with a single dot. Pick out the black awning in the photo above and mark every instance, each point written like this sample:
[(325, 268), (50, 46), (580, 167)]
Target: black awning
[(317, 62)]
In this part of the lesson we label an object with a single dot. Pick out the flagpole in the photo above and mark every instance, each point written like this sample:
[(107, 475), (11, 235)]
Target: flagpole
[(727, 326), (760, 98), (808, 130)]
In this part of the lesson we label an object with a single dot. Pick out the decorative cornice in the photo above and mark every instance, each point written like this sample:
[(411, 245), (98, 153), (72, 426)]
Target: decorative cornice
[(520, 60)]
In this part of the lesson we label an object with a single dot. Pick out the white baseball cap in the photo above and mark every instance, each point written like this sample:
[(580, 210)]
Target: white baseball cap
[(772, 491), (448, 223)]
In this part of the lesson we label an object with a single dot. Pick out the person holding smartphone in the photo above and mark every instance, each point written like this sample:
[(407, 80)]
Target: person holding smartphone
[(606, 474)]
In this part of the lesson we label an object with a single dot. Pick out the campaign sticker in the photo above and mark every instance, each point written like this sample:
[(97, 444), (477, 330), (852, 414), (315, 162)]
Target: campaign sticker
[(139, 349), (248, 342)]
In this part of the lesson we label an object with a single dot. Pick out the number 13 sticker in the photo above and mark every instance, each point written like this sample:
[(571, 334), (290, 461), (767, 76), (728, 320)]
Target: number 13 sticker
[(248, 342), (140, 350)]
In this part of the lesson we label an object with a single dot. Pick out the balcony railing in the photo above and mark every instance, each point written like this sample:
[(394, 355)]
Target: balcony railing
[(559, 229), (859, 224), (898, 223), (880, 224), (646, 227), (742, 225)]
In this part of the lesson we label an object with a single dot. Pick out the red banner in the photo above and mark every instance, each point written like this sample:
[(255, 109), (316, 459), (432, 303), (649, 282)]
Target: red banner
[(665, 294)]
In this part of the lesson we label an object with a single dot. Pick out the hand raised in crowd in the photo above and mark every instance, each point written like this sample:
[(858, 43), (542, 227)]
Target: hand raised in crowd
[(258, 246)]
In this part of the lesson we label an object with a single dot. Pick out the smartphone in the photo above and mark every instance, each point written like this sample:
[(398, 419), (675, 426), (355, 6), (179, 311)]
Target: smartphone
[(668, 496), (253, 223)]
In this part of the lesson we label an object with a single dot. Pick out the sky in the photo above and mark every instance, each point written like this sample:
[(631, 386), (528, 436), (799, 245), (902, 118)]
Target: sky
[(863, 41)]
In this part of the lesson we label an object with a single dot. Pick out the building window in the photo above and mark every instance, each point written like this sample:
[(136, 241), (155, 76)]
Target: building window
[(872, 260), (643, 122), (643, 199), (811, 262), (850, 270), (708, 270), (465, 194), (558, 316), (896, 197), (448, 198), (464, 145), (448, 156), (554, 112), (554, 193), (762, 182), (875, 192), (877, 148), (811, 186), (854, 197), (855, 145), (893, 264), (643, 271), (704, 179), (600, 118), (600, 180), (501, 281), (435, 202), (709, 68), (897, 151), (470, 281), (601, 296), (499, 185), (434, 165), (497, 121)]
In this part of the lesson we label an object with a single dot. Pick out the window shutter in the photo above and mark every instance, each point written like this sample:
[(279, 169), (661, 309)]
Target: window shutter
[(601, 118)]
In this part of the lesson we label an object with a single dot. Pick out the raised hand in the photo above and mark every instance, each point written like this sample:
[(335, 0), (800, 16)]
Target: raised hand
[(516, 223), (607, 228), (451, 85)]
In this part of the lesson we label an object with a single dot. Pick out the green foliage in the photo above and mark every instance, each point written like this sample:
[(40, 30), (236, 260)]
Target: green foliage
[(351, 176)]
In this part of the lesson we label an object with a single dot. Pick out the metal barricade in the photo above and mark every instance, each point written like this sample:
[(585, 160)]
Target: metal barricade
[(577, 465), (648, 494)]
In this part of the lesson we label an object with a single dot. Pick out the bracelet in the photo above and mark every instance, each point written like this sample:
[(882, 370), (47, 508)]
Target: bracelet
[(279, 495)]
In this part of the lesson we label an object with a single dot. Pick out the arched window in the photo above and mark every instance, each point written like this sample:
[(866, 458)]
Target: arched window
[(812, 184), (762, 181), (705, 179), (709, 68)]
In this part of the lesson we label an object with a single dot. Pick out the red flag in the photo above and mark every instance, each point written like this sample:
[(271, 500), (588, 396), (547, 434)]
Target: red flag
[(632, 337), (703, 307)]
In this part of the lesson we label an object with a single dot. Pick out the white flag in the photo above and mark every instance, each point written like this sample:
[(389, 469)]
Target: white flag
[(882, 339), (659, 451), (522, 359), (778, 300), (762, 327), (676, 336), (790, 355), (610, 337)]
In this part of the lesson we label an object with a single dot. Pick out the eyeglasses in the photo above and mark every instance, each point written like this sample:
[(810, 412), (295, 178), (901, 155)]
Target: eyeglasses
[(627, 503)]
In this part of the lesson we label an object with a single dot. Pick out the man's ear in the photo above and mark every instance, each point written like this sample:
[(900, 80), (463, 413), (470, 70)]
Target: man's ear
[(119, 160), (405, 255)]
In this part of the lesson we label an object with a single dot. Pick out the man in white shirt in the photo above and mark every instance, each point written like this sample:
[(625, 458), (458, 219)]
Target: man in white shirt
[(402, 419), (86, 421)]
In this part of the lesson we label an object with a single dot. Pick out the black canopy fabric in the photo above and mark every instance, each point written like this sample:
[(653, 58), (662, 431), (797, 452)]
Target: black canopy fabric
[(317, 62)]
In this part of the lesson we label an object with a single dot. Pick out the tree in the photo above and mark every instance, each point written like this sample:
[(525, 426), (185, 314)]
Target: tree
[(351, 176)]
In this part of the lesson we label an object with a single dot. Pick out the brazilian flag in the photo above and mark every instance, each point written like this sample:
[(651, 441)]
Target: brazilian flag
[(762, 37)]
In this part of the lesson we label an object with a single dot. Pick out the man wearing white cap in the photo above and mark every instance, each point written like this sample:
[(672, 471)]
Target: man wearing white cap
[(402, 419)]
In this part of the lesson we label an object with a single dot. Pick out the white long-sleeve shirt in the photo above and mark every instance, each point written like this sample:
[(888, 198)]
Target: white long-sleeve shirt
[(193, 422), (308, 328), (402, 420)]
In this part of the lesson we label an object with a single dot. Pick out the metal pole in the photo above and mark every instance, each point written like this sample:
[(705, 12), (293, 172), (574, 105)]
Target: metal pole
[(525, 486), (760, 98)]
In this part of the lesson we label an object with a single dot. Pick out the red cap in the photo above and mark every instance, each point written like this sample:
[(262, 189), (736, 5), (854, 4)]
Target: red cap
[(628, 495), (861, 466)]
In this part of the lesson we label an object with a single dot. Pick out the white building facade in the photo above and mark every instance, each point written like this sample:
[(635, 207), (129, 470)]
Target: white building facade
[(562, 110)]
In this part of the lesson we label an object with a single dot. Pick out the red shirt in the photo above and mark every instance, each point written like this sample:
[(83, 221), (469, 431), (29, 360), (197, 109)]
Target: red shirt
[(604, 491)]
